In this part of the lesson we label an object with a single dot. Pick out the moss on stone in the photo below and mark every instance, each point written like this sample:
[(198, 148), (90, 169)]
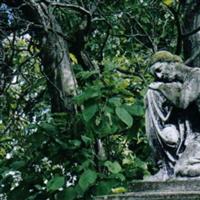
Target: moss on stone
[(165, 56)]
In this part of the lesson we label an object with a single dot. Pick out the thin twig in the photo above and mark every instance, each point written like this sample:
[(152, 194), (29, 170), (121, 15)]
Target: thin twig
[(143, 30), (104, 44), (70, 6)]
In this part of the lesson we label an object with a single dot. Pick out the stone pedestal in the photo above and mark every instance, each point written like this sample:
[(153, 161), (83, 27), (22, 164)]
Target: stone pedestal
[(159, 190)]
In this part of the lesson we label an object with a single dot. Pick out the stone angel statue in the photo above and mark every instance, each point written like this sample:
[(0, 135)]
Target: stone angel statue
[(173, 116)]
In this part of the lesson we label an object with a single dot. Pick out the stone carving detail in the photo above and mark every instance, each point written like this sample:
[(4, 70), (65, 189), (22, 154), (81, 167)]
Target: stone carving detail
[(173, 117)]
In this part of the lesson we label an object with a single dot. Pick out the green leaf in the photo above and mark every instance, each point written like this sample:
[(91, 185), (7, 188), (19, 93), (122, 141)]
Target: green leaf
[(87, 179), (74, 144), (106, 129), (49, 128), (5, 139), (67, 194), (86, 140), (124, 116), (104, 187), (86, 164), (118, 176), (64, 145), (86, 74), (168, 2), (136, 110), (18, 164), (113, 167), (20, 192), (89, 93), (119, 190), (115, 101), (55, 183), (89, 112), (109, 65)]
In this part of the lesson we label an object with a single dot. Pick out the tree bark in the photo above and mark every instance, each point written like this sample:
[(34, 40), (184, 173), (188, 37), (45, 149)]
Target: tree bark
[(53, 52), (61, 79)]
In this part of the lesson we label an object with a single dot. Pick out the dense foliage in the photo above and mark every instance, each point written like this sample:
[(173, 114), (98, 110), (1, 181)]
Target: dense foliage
[(99, 146)]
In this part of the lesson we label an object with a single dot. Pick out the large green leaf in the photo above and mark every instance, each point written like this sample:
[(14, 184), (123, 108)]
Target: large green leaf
[(89, 112), (113, 167), (115, 101), (106, 129), (89, 93), (136, 110), (124, 116), (87, 179), (55, 183)]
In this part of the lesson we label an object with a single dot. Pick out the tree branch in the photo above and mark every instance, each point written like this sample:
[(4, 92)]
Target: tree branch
[(178, 26), (193, 57), (191, 33), (103, 45), (70, 6), (143, 31), (131, 74)]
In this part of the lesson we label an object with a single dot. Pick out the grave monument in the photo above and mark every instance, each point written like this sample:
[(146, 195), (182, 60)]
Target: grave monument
[(173, 129)]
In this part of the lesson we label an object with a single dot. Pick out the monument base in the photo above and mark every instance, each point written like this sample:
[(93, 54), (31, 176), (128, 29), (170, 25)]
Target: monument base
[(159, 190)]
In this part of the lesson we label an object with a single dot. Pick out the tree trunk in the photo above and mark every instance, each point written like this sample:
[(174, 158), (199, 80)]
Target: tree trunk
[(53, 52), (191, 42), (57, 67)]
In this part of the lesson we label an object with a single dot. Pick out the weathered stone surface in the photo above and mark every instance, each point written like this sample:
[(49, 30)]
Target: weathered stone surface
[(160, 190), (170, 185), (172, 117), (194, 195)]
